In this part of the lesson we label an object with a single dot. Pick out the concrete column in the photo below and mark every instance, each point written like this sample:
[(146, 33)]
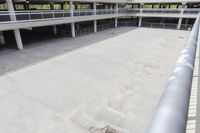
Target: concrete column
[(95, 12), (55, 30), (51, 5), (179, 23), (140, 22), (73, 30), (18, 39), (77, 26), (11, 9), (141, 7), (180, 19), (95, 25), (71, 8), (95, 8), (116, 8), (116, 22), (116, 11), (13, 18), (186, 21), (2, 40), (72, 14)]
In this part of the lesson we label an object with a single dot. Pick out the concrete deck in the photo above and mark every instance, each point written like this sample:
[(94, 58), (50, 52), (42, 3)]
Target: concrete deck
[(112, 78)]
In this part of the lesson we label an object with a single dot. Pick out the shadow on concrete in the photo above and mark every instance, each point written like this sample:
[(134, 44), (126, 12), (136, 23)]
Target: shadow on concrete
[(41, 49)]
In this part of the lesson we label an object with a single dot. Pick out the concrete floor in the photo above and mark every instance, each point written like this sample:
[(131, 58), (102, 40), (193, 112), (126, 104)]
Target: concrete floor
[(110, 79)]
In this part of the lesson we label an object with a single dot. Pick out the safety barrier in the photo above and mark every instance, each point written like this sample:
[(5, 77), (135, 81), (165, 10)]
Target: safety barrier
[(171, 113)]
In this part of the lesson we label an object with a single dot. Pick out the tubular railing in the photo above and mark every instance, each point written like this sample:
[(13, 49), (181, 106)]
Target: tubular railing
[(34, 15), (166, 25), (172, 111)]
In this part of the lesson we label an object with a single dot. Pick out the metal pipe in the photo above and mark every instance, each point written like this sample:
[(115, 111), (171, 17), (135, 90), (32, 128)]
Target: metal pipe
[(171, 113)]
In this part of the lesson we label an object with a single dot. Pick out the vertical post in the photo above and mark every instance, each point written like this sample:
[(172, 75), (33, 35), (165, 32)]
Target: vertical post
[(2, 40), (18, 39), (54, 26), (95, 25), (186, 21), (140, 22), (73, 30), (95, 13), (180, 19), (95, 8), (72, 14), (179, 23), (13, 18), (141, 7), (116, 8), (71, 8), (116, 22), (116, 11), (55, 30)]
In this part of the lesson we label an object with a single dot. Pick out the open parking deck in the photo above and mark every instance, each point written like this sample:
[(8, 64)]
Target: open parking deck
[(112, 78)]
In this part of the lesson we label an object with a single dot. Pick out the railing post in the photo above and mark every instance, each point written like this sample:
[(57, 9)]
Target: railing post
[(171, 113)]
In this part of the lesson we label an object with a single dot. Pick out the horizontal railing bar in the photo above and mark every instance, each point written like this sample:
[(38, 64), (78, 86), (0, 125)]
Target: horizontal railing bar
[(171, 113), (46, 14)]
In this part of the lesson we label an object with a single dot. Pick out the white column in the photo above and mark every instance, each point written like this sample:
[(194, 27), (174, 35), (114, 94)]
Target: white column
[(116, 11), (95, 8), (55, 30), (116, 22), (179, 23), (95, 12), (180, 19), (73, 30), (116, 8), (71, 8), (141, 7), (186, 21), (2, 40), (13, 18), (95, 25), (140, 22), (18, 39), (72, 14)]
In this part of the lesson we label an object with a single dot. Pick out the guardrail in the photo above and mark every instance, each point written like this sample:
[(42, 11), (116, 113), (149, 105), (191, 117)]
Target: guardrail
[(165, 25), (34, 15), (172, 111)]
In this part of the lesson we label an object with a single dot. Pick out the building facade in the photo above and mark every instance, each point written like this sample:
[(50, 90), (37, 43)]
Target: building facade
[(83, 16)]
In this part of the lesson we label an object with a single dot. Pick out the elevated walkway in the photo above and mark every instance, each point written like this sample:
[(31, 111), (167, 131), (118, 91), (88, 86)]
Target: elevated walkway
[(28, 19)]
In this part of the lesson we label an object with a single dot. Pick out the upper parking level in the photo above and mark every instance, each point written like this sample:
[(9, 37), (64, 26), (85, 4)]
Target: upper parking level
[(113, 1), (26, 19)]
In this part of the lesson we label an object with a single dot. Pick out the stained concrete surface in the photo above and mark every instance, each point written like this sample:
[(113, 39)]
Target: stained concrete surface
[(109, 79)]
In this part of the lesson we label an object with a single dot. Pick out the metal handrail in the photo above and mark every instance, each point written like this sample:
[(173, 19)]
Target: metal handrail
[(35, 15), (171, 113)]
